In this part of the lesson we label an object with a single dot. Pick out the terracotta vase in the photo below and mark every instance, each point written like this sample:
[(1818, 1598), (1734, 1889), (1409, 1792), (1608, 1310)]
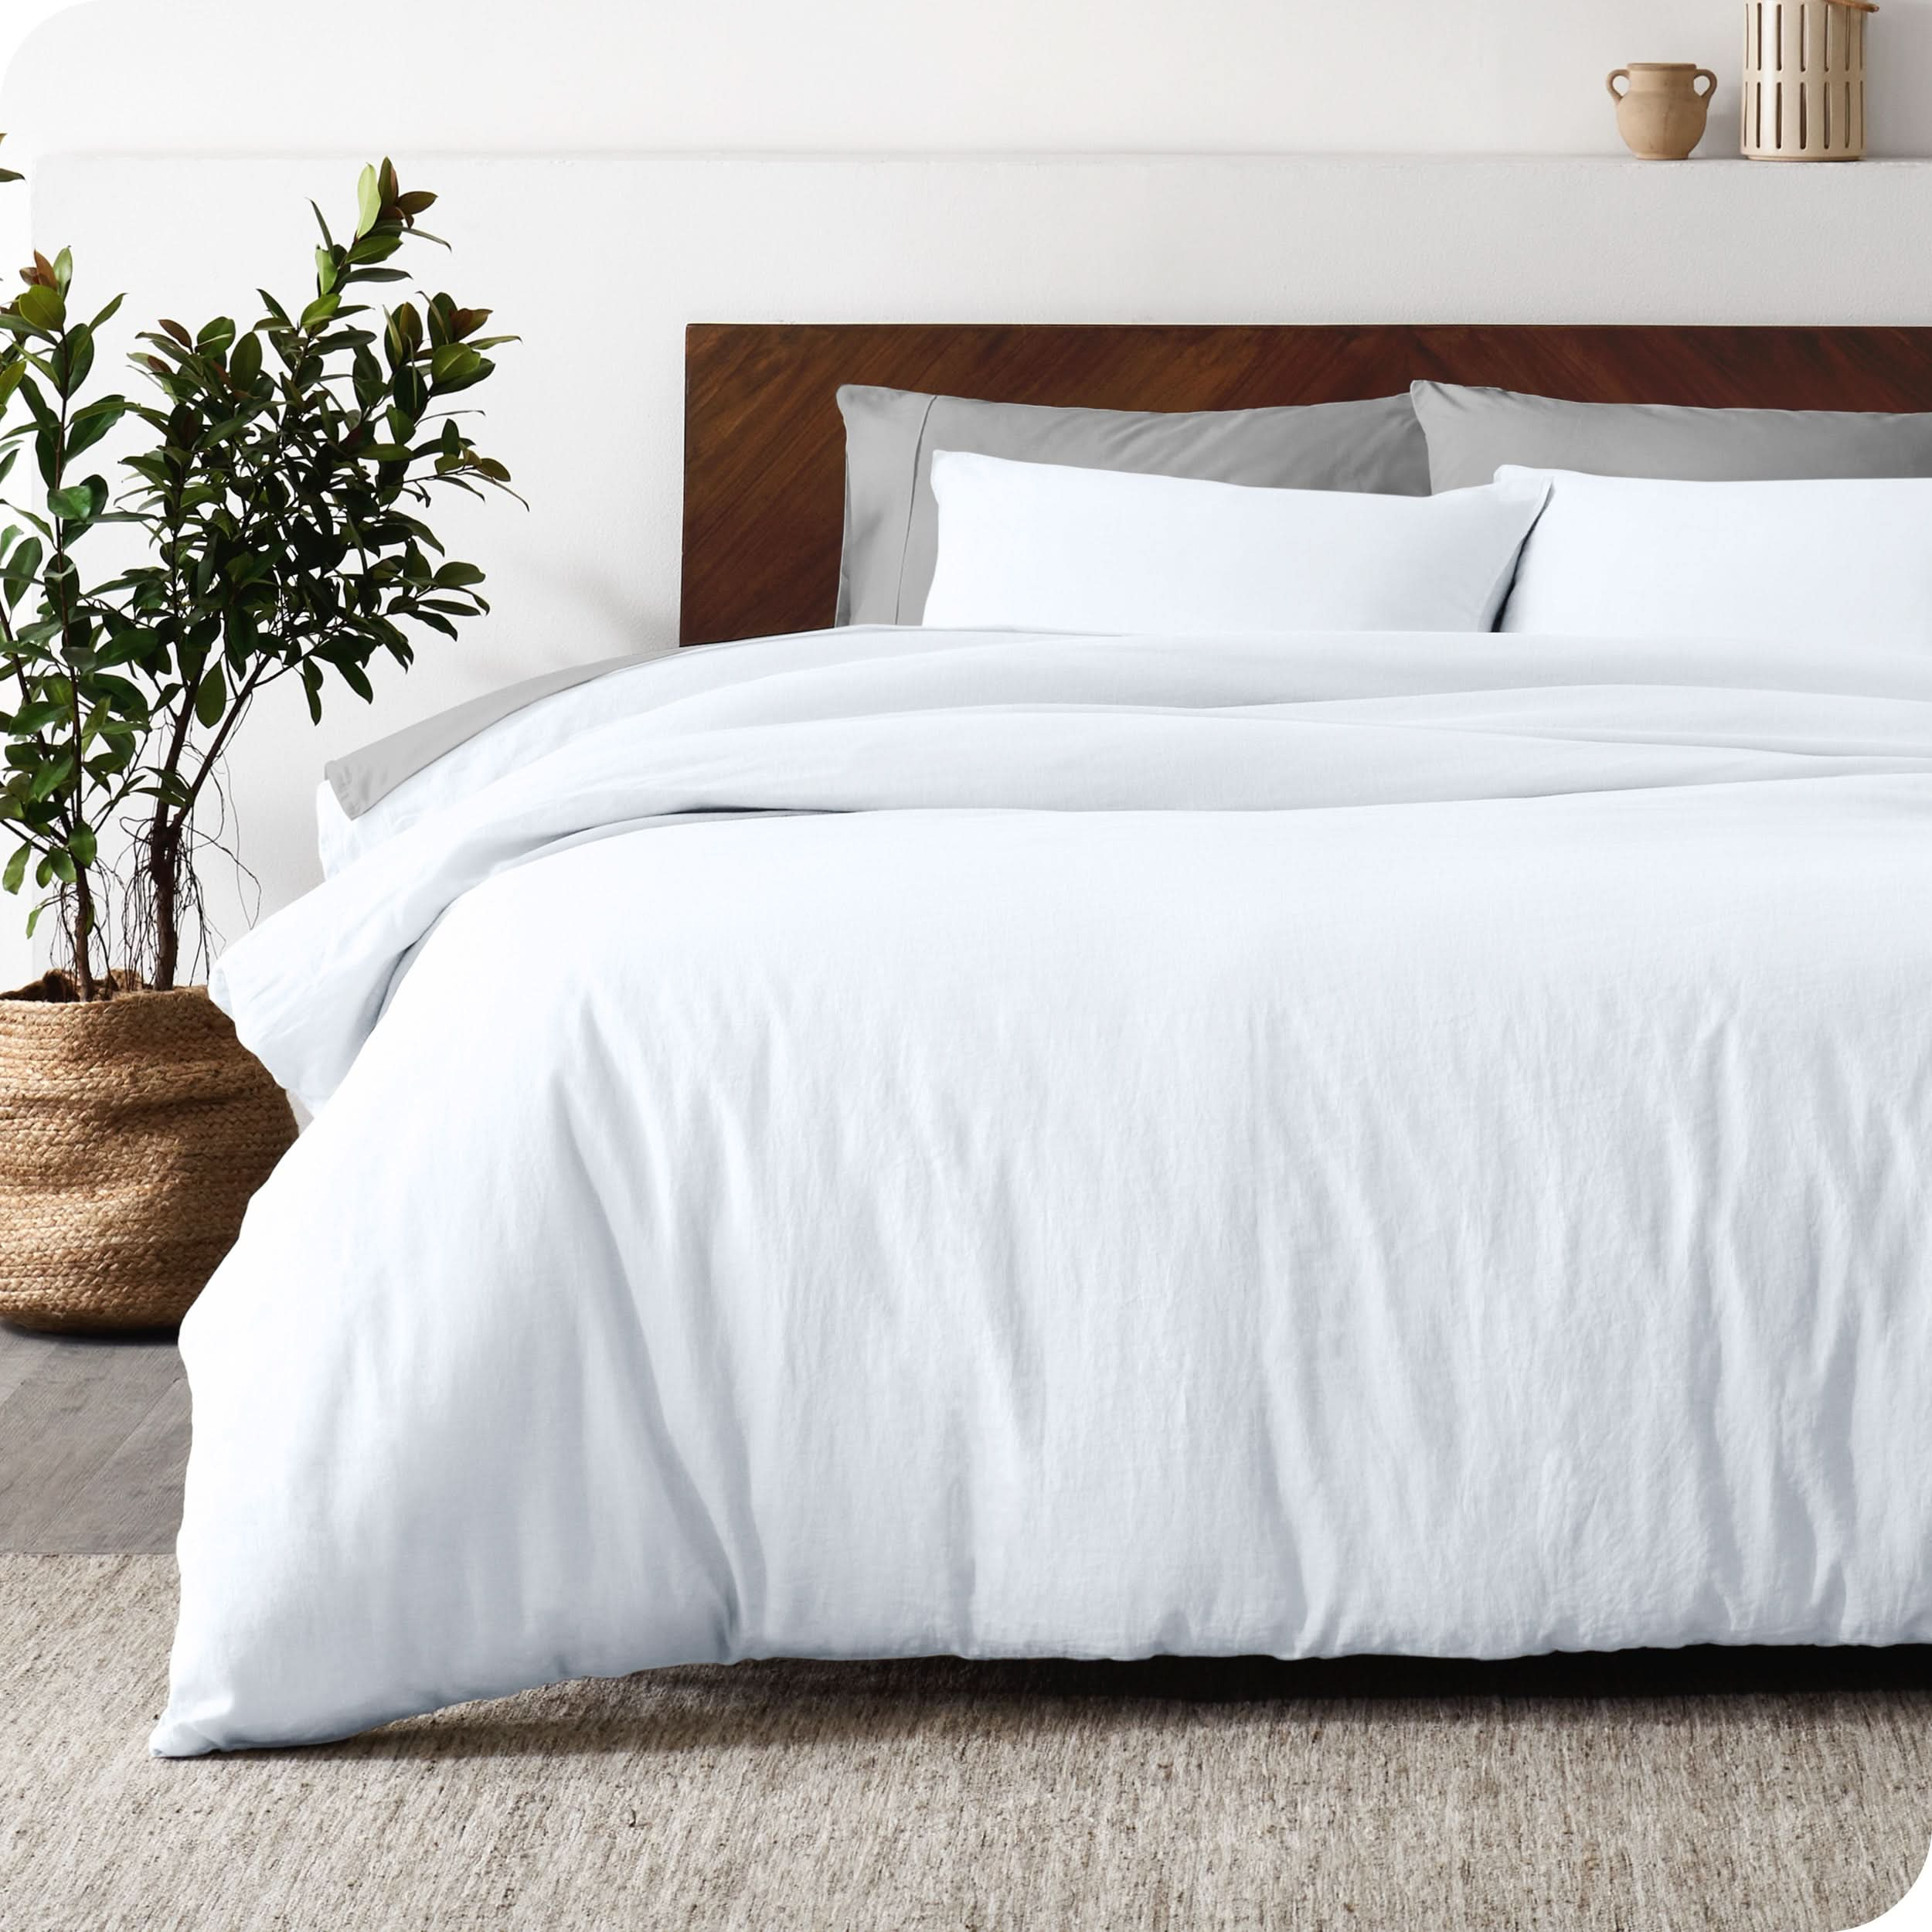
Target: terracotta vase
[(1660, 114)]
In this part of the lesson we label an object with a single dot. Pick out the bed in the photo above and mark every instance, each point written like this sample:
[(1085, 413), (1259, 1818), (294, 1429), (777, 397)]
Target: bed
[(886, 1141)]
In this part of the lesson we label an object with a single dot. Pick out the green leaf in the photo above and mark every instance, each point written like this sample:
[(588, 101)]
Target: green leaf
[(320, 311), (243, 641), (52, 775), (376, 248), (211, 697), (403, 337), (411, 392), (90, 425), (43, 308), (453, 576), (72, 361), (79, 502), (63, 269), (453, 363), (83, 846), (23, 567), (369, 201), (37, 408), (245, 362), (16, 875)]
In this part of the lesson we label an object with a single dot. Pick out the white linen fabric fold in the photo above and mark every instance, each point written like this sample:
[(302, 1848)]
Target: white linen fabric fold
[(491, 750), (1112, 1146)]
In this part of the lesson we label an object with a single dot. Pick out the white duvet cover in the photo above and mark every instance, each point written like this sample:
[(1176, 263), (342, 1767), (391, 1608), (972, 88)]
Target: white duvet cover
[(1299, 1145)]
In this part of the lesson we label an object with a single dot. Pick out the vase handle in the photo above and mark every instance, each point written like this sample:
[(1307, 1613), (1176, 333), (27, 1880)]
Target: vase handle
[(1704, 74), (1616, 74)]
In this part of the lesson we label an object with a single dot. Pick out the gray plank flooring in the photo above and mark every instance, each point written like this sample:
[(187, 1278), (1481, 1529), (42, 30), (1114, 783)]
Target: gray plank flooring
[(93, 1438)]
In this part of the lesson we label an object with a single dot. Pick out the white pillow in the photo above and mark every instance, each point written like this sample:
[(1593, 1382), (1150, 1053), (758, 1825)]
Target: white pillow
[(1806, 563), (1038, 547)]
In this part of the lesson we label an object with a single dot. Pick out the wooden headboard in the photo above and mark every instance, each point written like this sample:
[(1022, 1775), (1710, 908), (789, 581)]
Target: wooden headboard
[(764, 448)]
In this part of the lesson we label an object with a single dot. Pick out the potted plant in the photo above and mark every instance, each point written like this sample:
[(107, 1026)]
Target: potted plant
[(272, 502)]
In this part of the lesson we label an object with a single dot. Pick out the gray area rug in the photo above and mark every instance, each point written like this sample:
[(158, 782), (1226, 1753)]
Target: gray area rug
[(934, 1795)]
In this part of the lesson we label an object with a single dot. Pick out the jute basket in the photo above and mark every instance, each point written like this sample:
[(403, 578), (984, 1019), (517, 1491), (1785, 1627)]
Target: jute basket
[(132, 1132)]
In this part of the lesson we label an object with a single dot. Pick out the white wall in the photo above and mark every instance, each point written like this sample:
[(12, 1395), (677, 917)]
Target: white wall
[(610, 176), (18, 20)]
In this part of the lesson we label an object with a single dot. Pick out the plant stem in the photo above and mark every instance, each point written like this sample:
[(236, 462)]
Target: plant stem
[(170, 828), (163, 875), (83, 924), (163, 861)]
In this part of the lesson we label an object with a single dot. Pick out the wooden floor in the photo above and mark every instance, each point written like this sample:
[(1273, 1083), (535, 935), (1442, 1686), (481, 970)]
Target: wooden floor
[(93, 1436)]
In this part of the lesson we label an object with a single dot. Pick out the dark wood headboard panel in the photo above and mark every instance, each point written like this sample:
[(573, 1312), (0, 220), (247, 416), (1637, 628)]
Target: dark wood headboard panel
[(764, 476)]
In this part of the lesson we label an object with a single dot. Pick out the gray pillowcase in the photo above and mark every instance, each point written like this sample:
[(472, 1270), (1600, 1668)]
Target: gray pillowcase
[(1472, 432), (892, 522)]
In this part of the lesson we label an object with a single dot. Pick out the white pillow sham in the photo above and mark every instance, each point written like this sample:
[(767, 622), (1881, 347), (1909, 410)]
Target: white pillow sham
[(1040, 546), (1784, 563)]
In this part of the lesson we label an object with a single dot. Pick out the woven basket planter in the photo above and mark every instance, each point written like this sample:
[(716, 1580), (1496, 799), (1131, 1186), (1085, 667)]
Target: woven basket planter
[(132, 1132)]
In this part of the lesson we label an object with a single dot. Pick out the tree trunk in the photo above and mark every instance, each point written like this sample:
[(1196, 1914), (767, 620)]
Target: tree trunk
[(83, 934), (164, 879)]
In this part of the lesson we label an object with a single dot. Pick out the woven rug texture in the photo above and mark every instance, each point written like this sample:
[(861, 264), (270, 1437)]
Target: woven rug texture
[(777, 1796)]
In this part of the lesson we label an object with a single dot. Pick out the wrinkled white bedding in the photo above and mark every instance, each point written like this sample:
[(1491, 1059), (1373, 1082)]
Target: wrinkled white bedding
[(1296, 1145)]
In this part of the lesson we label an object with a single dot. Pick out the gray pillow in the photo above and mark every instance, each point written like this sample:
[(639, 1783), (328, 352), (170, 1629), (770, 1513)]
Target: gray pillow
[(1472, 432), (892, 523)]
